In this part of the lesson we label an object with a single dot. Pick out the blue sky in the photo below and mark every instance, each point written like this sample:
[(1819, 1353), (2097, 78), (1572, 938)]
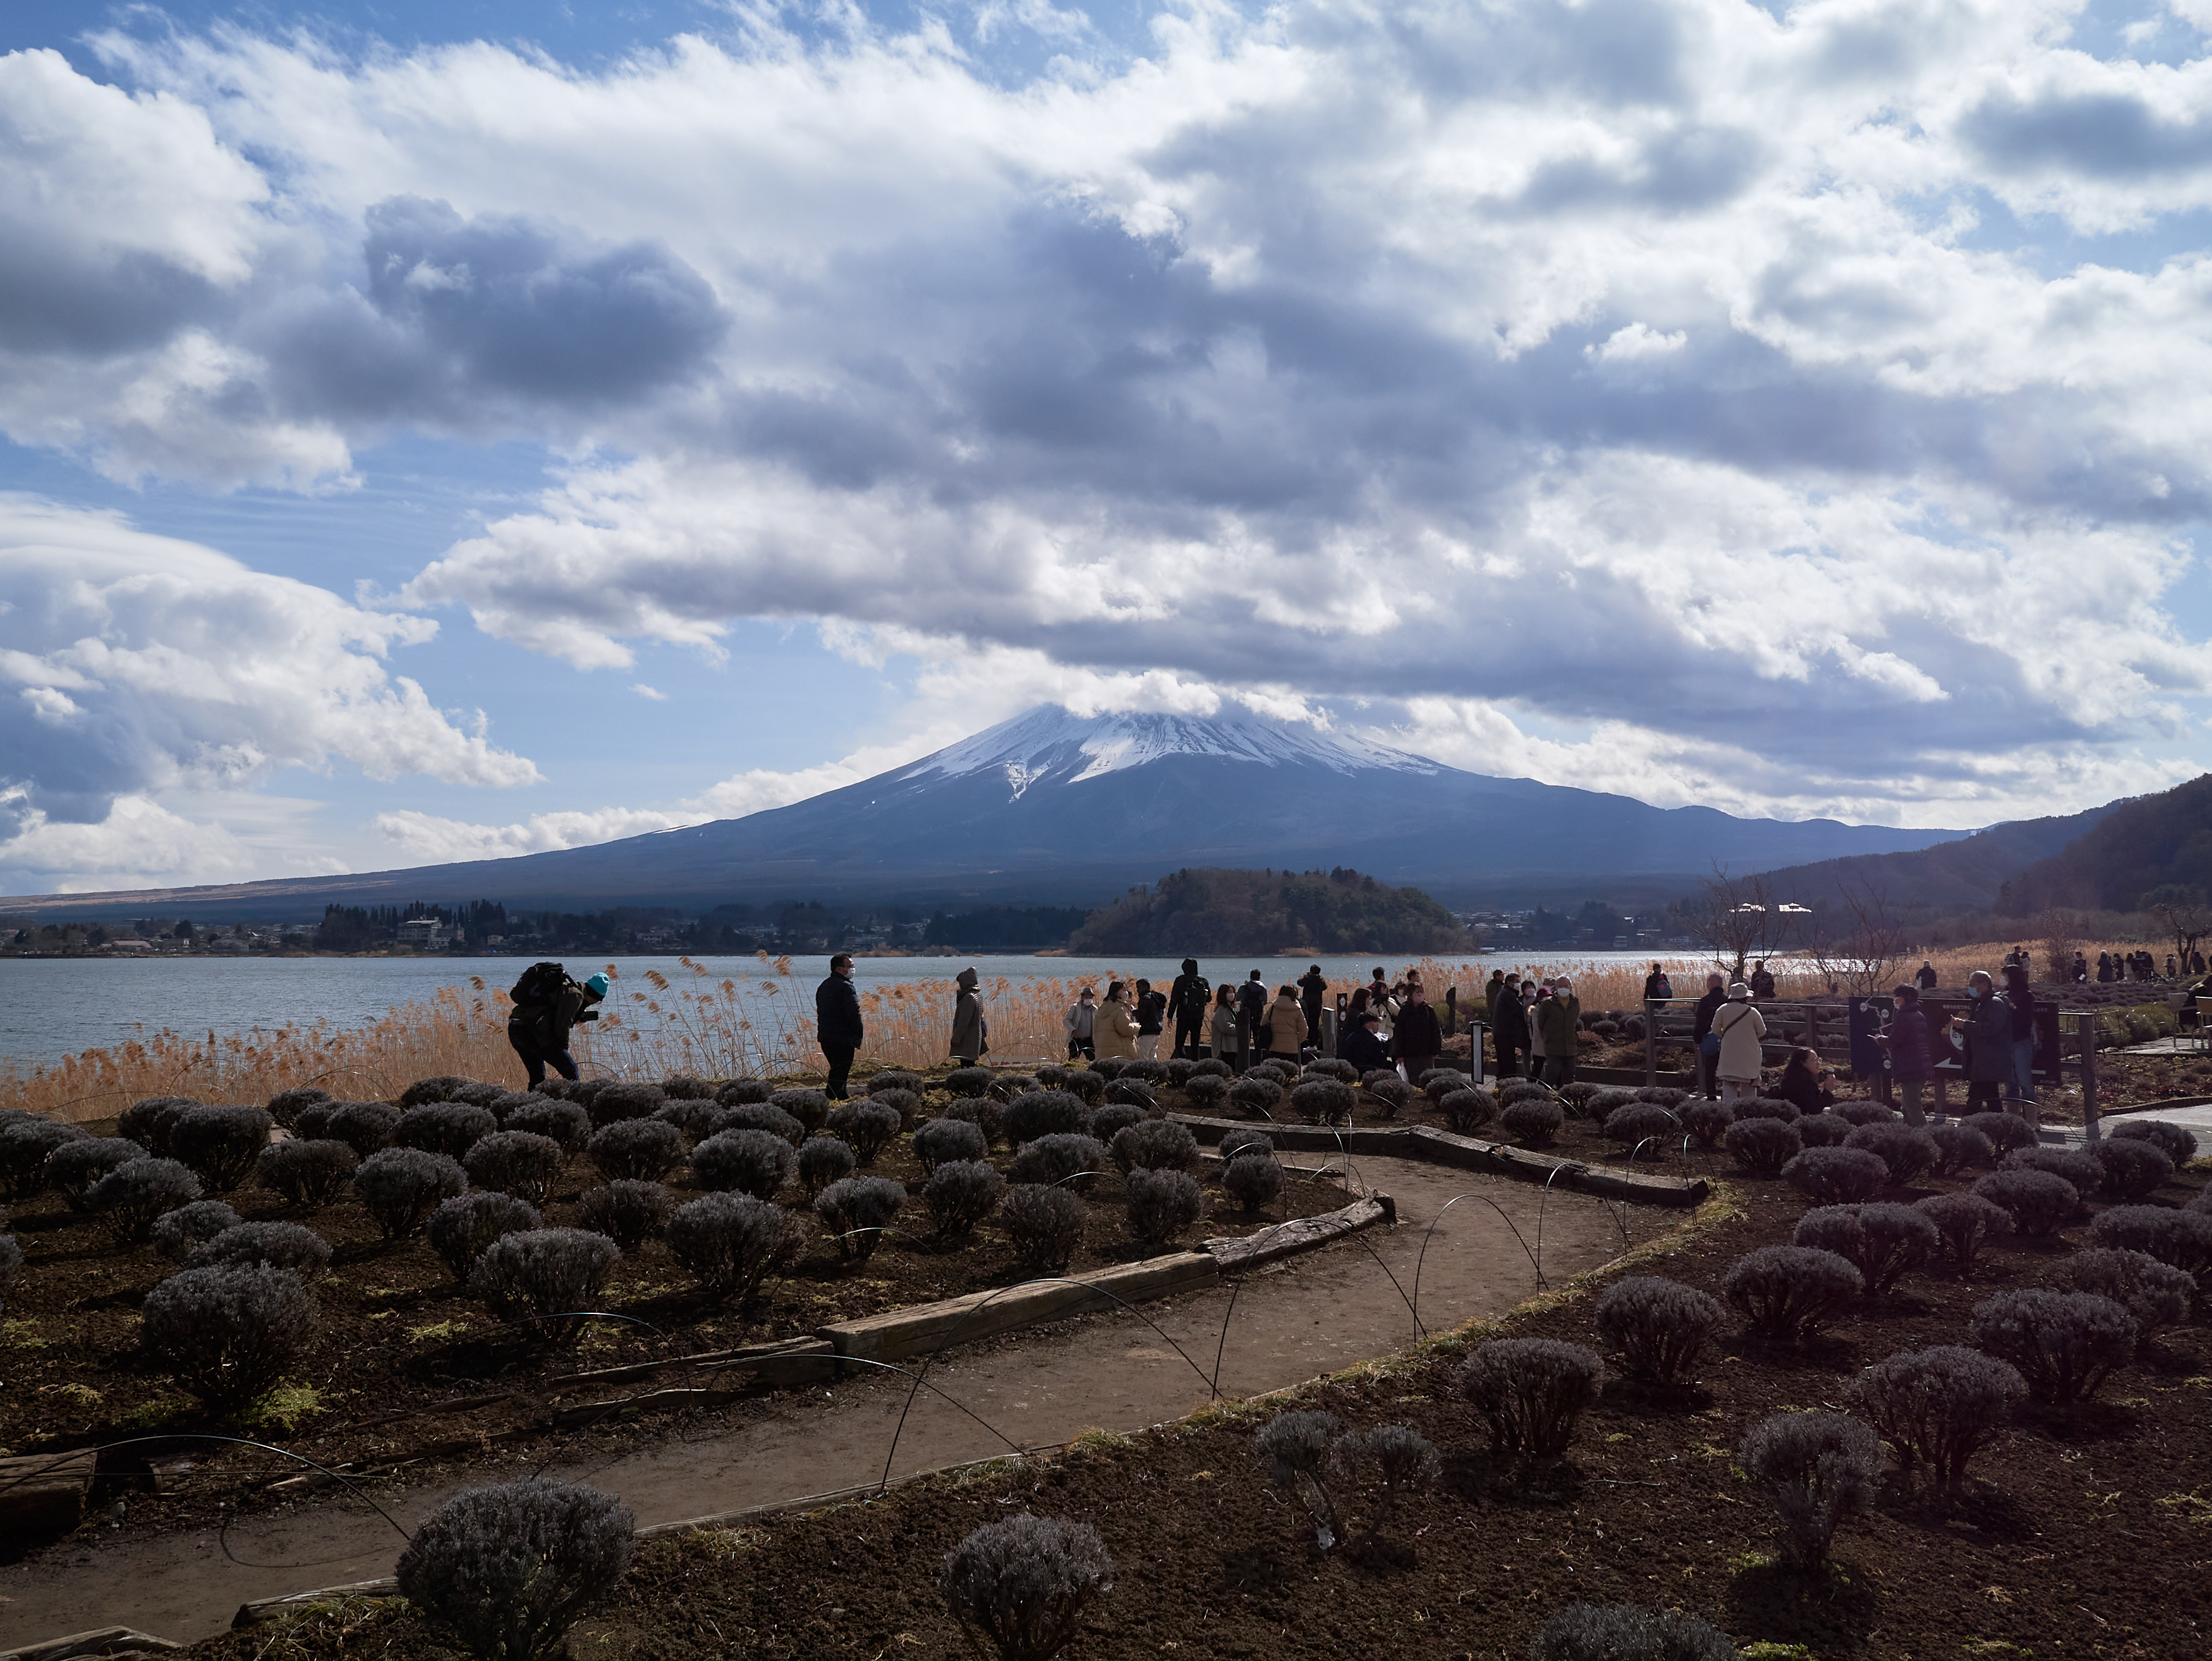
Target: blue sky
[(428, 430)]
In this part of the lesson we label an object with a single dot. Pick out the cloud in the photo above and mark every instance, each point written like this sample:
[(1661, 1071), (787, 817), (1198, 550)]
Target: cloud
[(142, 842), (426, 839), (140, 664)]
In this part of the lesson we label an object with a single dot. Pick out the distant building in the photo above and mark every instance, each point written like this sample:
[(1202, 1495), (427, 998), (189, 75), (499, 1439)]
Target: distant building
[(424, 934)]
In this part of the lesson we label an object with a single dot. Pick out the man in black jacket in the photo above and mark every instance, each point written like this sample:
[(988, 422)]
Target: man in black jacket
[(837, 1024), (1312, 988), (1188, 999), (1708, 1007), (1251, 1012), (1362, 1045), (1509, 1028)]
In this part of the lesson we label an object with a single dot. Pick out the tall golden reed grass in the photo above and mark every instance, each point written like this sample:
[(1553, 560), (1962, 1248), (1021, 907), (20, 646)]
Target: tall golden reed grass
[(694, 1021)]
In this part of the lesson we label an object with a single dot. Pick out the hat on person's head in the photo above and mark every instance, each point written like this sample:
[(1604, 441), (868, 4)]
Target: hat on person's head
[(598, 986), (1738, 992), (1369, 1016)]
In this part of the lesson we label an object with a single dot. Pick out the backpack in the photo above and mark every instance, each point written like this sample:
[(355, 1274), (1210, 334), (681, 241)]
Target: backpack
[(540, 983)]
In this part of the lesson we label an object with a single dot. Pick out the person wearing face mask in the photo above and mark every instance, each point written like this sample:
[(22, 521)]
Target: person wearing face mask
[(1988, 1024), (1081, 1024), (1421, 1037), (1560, 1018), (1226, 1028)]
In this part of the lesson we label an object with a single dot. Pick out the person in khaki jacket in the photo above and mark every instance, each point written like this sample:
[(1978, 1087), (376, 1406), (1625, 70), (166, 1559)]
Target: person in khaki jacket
[(1286, 1023), (1114, 1030)]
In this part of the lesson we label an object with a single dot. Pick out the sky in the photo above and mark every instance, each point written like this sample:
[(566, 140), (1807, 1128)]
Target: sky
[(430, 431)]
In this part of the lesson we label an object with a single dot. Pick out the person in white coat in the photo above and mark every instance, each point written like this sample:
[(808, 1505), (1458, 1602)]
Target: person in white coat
[(1741, 1027)]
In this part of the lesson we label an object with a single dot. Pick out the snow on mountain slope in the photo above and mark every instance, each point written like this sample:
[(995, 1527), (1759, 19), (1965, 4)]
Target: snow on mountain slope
[(1051, 745)]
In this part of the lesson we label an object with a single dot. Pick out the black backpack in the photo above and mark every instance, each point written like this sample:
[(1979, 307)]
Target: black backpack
[(540, 983)]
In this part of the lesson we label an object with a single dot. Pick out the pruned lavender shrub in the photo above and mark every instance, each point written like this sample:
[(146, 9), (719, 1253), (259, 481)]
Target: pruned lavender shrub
[(822, 1161), (1836, 1175), (1207, 1090), (131, 1196), (686, 1087), (858, 1212), (1533, 1123), (1127, 1092), (1024, 1584), (367, 1127), (1161, 1204), (755, 1162), (1818, 1469), (1395, 1457), (1605, 1102), (1623, 1632), (628, 1211), (693, 1117), (308, 1174), (461, 1228), (743, 1092), (1762, 1146), (280, 1245), (904, 1104), (1082, 1083), (1043, 1113), (507, 1570), (2181, 1238), (1253, 1180), (1662, 1095), (582, 1092), (1439, 1082), (960, 1193), (285, 1105), (1466, 1111), (866, 1127), (643, 1150), (1532, 1392), (74, 1165), (1245, 1139), (1790, 1293), (2037, 1202), (219, 1144), (942, 1140), (544, 1281), (476, 1093), (563, 1123), (177, 1234), (1660, 1326), (731, 1243), (1938, 1408), (147, 1122), (2064, 1343), (227, 1333), (1111, 1120), (1391, 1091), (1323, 1101), (1254, 1094), (1958, 1146), (1069, 1161), (2153, 1294), (2133, 1169), (1858, 1114), (401, 1186), (1179, 1071), (1004, 1086), (2178, 1143), (2005, 1131), (519, 1163), (613, 1103), (1641, 1122), (895, 1078), (1294, 1445), (2078, 1170), (1822, 1130), (968, 1080), (758, 1116), (1574, 1098), (1883, 1241), (986, 1113), (1907, 1152), (1708, 1122), (443, 1089), (1963, 1223), (448, 1127), (1766, 1107), (1212, 1066), (1045, 1224), (1156, 1145), (1327, 1067), (1427, 1074)]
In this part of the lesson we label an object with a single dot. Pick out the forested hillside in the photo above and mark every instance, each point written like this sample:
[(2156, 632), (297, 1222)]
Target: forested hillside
[(1261, 911), (2151, 842)]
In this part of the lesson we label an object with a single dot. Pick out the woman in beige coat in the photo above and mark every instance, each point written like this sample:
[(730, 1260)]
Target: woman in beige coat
[(1114, 1031), (1286, 1023)]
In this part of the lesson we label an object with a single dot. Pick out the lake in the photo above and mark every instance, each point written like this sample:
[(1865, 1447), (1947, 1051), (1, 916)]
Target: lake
[(54, 1006)]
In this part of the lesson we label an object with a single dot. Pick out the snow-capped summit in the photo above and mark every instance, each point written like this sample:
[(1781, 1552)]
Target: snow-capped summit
[(1052, 745)]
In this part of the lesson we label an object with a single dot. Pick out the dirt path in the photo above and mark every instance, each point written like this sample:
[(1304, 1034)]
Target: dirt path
[(1123, 1371)]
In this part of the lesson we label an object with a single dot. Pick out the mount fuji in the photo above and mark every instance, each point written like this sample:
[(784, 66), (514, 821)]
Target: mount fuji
[(1054, 807)]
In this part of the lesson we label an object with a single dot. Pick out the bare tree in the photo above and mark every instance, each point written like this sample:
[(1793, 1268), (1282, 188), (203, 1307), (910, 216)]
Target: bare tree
[(1734, 918), (1867, 950), (2184, 914)]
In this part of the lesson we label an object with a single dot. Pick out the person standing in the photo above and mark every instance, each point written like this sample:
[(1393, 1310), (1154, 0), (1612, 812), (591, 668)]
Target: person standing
[(1252, 1011), (1491, 989), (1762, 982), (1081, 1024), (1988, 1024), (1421, 1037), (1926, 976), (1739, 1026), (1533, 997), (1378, 989), (1313, 992), (1509, 1029), (1911, 1060), (1286, 1025), (1657, 985), (1189, 997), (1701, 1034), (837, 1024), (1561, 1017), (2103, 968), (1226, 1025), (1116, 1027), (970, 1034), (1152, 1007), (547, 1004), (2019, 998)]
